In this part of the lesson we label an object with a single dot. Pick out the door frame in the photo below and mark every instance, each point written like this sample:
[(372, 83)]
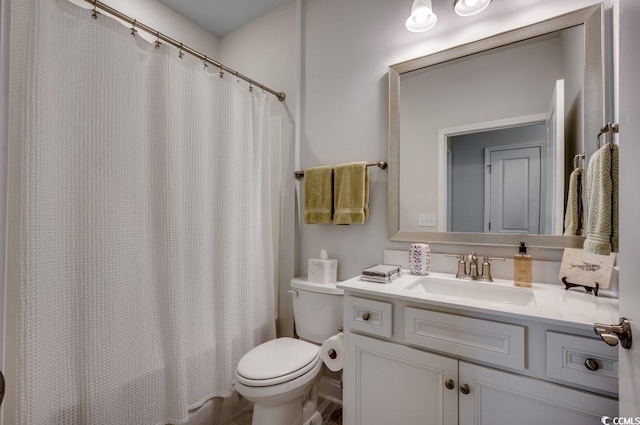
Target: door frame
[(487, 177), (443, 137)]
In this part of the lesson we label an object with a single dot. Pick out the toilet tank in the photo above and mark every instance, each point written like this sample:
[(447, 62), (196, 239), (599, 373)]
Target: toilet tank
[(317, 309)]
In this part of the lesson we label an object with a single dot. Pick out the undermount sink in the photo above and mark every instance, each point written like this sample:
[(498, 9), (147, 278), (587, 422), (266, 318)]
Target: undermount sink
[(481, 291)]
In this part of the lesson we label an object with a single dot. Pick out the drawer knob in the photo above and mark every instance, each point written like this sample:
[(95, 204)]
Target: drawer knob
[(450, 384), (464, 389), (592, 364), (366, 317)]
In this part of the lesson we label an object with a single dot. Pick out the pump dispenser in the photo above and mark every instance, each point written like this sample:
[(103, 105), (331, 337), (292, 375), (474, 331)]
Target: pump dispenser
[(522, 275)]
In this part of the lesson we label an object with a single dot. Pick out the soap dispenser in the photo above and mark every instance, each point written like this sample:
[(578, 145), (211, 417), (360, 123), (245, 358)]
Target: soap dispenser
[(522, 275)]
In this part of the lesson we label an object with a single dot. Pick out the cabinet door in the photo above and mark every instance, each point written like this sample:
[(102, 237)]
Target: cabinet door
[(501, 398), (387, 383)]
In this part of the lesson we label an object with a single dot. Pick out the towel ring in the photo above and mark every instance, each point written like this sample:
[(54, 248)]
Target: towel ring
[(609, 128), (578, 161)]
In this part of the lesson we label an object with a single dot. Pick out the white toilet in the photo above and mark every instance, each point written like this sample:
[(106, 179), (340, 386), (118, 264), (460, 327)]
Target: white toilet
[(281, 376)]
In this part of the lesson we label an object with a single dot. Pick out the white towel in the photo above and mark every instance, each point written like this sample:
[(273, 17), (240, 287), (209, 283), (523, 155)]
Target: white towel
[(602, 182)]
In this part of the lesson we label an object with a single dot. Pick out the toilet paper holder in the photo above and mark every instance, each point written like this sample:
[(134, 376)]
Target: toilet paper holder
[(332, 353)]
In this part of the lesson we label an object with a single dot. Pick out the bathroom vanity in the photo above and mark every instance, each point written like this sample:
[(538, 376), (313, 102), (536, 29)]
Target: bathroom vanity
[(440, 350)]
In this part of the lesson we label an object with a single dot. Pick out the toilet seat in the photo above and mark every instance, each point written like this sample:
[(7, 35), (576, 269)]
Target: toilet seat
[(277, 361)]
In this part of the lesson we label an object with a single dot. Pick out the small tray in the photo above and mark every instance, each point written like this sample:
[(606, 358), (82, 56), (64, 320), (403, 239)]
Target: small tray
[(381, 270)]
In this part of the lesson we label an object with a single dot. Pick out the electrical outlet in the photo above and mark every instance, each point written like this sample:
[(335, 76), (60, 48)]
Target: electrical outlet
[(426, 220)]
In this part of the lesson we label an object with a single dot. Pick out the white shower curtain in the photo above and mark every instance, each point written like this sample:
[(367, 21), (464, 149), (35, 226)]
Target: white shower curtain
[(139, 233)]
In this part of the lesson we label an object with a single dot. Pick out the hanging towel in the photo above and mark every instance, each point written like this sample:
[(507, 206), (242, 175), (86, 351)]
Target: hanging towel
[(351, 197), (318, 194), (602, 181), (574, 216)]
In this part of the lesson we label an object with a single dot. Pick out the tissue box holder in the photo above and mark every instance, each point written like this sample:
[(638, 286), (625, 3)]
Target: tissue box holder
[(323, 271)]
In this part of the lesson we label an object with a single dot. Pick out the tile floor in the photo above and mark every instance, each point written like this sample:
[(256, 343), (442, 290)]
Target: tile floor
[(331, 414)]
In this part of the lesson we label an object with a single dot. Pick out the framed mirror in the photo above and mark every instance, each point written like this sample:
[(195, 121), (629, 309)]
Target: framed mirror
[(482, 137)]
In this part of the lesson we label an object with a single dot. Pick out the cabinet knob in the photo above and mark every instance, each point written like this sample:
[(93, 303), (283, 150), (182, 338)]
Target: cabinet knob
[(464, 389), (592, 364), (450, 384), (366, 317)]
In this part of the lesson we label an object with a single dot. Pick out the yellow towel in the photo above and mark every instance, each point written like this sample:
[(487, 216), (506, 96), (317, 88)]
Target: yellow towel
[(351, 195), (574, 215), (602, 181), (318, 194)]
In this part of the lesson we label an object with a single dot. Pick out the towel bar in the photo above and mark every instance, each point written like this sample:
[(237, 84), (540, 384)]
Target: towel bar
[(381, 164)]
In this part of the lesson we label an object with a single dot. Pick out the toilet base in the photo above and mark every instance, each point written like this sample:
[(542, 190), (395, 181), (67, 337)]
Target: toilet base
[(286, 414), (289, 403)]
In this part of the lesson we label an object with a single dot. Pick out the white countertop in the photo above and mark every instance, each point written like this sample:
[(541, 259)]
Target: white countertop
[(550, 304)]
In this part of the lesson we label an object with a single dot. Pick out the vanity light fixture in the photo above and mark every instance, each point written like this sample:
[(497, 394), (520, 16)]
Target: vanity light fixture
[(470, 7), (422, 17)]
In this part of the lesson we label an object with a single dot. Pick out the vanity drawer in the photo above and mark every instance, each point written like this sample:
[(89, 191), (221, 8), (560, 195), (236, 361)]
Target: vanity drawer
[(368, 316), (567, 357), (484, 340)]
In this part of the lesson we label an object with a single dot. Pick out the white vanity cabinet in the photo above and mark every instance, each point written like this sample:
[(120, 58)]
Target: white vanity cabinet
[(408, 365), (500, 398), (388, 383)]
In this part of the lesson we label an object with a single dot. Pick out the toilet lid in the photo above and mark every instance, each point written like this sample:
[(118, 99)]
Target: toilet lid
[(277, 361)]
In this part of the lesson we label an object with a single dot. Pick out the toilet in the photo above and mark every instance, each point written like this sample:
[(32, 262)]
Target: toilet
[(281, 376)]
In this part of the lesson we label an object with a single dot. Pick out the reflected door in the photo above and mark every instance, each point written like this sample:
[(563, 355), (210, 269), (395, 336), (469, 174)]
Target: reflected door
[(512, 183)]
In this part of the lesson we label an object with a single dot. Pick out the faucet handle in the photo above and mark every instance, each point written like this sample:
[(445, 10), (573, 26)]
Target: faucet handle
[(486, 267), (461, 264), (488, 259)]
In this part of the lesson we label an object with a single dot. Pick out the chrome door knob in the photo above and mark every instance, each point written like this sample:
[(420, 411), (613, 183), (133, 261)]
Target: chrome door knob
[(612, 334)]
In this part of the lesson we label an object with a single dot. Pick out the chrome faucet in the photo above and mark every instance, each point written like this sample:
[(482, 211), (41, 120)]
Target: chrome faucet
[(468, 267)]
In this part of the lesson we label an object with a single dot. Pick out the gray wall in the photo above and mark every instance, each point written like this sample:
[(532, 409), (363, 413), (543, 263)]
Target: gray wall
[(347, 47), (468, 171)]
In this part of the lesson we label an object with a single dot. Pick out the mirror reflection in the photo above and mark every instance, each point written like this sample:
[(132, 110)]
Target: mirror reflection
[(487, 141)]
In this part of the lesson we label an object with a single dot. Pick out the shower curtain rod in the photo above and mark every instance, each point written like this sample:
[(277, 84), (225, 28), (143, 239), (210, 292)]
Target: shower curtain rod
[(135, 24)]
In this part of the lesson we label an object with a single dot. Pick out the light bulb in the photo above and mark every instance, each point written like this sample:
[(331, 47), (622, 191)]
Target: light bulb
[(421, 19), (470, 7)]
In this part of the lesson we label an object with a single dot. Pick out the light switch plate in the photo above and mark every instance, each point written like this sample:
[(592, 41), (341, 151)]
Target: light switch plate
[(426, 220)]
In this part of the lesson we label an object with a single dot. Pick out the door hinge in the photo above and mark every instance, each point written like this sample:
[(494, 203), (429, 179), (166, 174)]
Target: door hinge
[(489, 225), (489, 167)]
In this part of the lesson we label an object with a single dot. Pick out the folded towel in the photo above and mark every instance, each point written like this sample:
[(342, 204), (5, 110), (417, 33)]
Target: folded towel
[(351, 196), (602, 181), (574, 216), (318, 194)]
